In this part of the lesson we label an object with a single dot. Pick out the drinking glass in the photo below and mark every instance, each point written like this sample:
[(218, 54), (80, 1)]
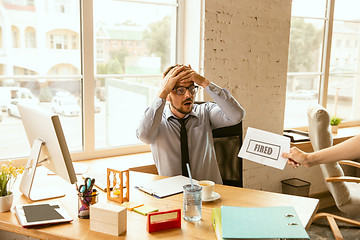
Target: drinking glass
[(192, 203)]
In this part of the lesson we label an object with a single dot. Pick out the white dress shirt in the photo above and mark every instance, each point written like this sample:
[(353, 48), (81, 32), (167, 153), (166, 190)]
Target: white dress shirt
[(161, 130)]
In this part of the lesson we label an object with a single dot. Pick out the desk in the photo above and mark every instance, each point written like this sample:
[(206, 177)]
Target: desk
[(136, 223), (342, 135)]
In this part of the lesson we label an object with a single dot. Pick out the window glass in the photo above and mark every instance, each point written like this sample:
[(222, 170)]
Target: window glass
[(304, 67), (305, 60), (135, 42), (1, 38), (308, 8), (343, 93), (47, 74), (301, 91), (15, 37), (347, 10), (344, 69), (342, 99), (345, 50), (30, 38), (305, 45)]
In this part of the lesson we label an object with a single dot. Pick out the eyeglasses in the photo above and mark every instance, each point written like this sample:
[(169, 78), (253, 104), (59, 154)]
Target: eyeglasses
[(182, 90)]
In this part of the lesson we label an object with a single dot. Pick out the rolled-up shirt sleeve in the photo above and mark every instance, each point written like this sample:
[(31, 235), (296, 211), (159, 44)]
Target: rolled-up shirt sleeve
[(227, 111), (150, 122)]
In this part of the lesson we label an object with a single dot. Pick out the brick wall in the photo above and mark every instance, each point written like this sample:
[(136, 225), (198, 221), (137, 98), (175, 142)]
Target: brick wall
[(245, 49)]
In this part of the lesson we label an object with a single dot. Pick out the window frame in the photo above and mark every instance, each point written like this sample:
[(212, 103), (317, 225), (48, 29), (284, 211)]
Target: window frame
[(324, 73), (88, 84), (188, 49), (87, 78)]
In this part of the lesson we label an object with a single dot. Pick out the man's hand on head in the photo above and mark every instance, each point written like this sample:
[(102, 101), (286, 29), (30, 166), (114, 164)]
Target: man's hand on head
[(176, 74), (197, 78)]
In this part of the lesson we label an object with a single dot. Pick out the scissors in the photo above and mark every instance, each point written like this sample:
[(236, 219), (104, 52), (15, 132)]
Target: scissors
[(87, 186)]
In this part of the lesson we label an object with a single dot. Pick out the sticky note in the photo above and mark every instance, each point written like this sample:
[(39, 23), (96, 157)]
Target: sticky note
[(131, 205), (144, 210)]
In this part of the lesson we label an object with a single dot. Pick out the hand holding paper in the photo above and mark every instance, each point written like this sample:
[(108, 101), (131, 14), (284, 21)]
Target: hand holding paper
[(265, 148)]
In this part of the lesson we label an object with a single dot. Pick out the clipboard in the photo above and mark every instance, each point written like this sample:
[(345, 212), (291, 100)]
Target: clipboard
[(30, 215), (296, 135), (165, 187)]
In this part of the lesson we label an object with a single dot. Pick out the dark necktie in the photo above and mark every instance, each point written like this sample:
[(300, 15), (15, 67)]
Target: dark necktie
[(184, 147)]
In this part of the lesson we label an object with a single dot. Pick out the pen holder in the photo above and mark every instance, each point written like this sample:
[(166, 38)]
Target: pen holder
[(84, 203)]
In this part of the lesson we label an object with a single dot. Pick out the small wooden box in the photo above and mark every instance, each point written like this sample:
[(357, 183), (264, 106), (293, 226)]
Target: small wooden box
[(108, 218)]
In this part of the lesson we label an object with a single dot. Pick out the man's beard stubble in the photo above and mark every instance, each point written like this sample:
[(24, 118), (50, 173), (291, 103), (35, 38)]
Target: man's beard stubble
[(180, 110)]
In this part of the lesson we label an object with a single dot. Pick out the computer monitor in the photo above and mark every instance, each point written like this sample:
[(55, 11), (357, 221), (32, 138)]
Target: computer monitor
[(48, 148)]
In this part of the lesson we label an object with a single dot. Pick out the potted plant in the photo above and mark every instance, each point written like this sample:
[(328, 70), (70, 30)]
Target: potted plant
[(8, 175), (334, 122)]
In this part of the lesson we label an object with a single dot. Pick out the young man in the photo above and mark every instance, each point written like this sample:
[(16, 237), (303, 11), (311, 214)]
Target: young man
[(161, 124)]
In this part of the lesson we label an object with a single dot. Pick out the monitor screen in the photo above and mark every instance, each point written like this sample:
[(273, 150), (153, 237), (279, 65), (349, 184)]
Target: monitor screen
[(47, 140)]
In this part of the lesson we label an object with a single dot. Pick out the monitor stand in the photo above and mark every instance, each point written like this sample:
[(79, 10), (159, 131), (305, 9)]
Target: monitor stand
[(39, 193)]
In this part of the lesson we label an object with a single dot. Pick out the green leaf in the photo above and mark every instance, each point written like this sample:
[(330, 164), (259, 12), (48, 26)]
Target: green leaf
[(335, 121)]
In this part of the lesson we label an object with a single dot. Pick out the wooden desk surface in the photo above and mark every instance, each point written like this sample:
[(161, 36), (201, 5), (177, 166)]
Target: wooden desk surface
[(136, 223)]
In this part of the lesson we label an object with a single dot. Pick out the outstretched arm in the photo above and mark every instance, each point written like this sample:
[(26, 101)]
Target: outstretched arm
[(349, 149)]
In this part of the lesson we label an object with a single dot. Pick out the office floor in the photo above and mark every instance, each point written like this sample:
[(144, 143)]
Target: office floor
[(320, 229)]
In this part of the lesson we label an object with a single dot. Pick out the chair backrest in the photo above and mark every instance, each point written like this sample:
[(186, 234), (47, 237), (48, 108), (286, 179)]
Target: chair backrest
[(227, 142), (321, 137)]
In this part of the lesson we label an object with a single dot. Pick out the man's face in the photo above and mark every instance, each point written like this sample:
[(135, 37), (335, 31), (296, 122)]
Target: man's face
[(181, 105)]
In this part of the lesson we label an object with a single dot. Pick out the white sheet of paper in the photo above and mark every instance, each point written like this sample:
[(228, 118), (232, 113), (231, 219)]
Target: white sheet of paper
[(265, 148)]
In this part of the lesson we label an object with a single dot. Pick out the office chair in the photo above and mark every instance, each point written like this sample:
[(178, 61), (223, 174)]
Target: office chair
[(345, 190), (227, 142)]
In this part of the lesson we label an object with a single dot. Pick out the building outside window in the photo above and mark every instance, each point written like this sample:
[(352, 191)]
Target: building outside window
[(323, 65), (60, 6), (74, 41), (30, 38), (132, 52), (15, 37), (124, 77), (1, 38)]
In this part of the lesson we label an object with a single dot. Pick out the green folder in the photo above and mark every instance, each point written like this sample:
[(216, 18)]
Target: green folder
[(261, 223)]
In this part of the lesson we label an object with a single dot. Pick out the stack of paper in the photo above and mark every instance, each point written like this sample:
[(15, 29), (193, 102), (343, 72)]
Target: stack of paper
[(257, 223), (166, 187)]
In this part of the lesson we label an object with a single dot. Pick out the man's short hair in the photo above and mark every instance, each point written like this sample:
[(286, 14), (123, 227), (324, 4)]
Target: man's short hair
[(169, 68)]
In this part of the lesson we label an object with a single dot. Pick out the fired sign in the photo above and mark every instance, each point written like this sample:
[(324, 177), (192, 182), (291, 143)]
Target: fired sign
[(265, 148)]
